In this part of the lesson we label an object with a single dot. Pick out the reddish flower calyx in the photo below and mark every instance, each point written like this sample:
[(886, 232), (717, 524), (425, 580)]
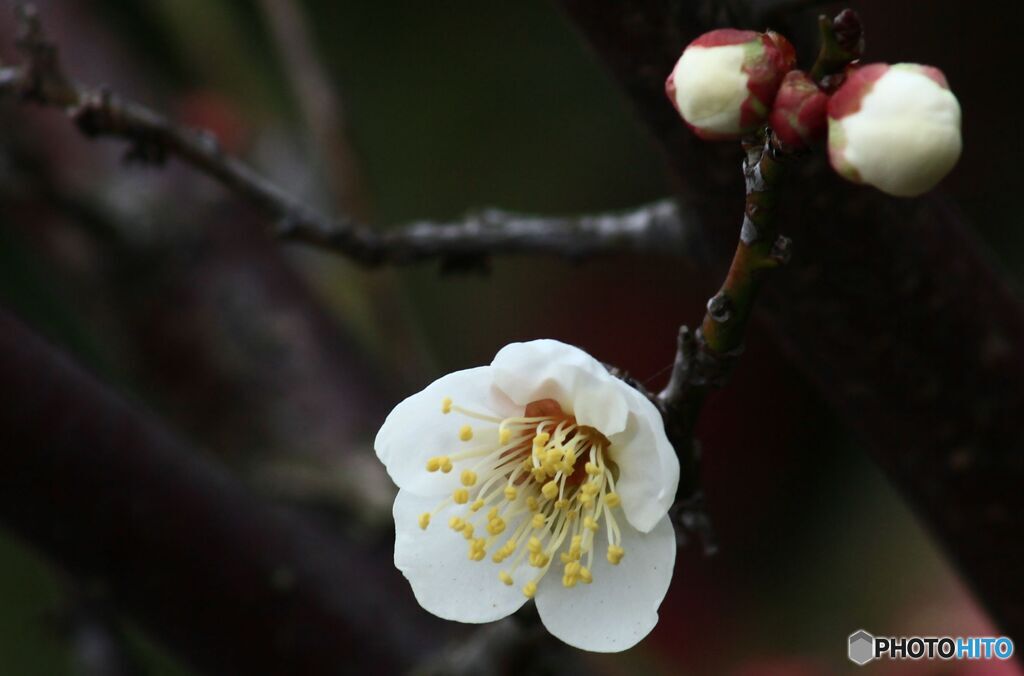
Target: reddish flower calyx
[(798, 115)]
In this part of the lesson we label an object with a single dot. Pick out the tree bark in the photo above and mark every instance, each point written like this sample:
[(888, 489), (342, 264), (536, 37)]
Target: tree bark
[(890, 308)]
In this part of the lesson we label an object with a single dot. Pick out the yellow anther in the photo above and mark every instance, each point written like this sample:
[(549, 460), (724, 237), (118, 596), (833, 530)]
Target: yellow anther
[(460, 496), (531, 504), (424, 520), (496, 527), (541, 439), (586, 500), (552, 457), (590, 488), (446, 405), (572, 568), (477, 549), (468, 477), (565, 558), (534, 545), (433, 464), (504, 436), (550, 490), (539, 475), (505, 577), (492, 513), (465, 433), (455, 523), (615, 554), (585, 575), (561, 504), (511, 492), (569, 458), (572, 516), (467, 531), (477, 505), (592, 469), (612, 499), (569, 581), (537, 521), (539, 560), (590, 523), (530, 589), (446, 463)]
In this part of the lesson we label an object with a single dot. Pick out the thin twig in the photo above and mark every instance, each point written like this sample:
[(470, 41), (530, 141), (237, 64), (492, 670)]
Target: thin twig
[(655, 229)]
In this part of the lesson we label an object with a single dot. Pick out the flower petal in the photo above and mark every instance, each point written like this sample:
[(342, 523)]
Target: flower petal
[(549, 369), (620, 607), (445, 582), (648, 465), (417, 429)]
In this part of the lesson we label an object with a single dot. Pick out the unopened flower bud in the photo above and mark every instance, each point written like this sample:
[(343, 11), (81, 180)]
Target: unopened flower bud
[(798, 115), (724, 83), (894, 127)]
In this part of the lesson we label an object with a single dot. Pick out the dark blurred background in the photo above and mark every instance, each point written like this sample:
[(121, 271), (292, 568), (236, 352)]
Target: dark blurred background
[(281, 361)]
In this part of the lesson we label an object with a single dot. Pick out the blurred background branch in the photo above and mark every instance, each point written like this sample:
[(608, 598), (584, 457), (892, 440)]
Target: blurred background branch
[(660, 228), (106, 491)]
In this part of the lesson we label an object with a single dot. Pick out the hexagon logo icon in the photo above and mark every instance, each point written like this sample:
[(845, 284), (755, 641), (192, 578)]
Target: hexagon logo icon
[(861, 647)]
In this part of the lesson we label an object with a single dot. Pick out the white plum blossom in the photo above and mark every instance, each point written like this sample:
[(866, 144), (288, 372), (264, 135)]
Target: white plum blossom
[(895, 127), (539, 476), (725, 81)]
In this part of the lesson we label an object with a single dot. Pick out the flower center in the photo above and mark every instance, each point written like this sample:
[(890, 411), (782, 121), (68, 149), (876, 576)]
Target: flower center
[(546, 472)]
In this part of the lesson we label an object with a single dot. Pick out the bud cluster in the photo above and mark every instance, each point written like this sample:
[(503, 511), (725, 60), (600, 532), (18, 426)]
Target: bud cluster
[(895, 127)]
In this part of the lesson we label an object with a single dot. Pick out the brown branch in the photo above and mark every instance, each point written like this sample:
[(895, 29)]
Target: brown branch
[(661, 228), (889, 307), (230, 583)]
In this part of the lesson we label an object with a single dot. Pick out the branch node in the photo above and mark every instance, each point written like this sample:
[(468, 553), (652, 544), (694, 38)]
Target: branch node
[(782, 250), (720, 307)]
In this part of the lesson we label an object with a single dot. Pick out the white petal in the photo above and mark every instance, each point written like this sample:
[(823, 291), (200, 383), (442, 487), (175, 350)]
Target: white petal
[(620, 607), (906, 136), (445, 582), (711, 87), (417, 429), (549, 369), (648, 465)]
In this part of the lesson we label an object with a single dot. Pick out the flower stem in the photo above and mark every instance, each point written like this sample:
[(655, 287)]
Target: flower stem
[(760, 247)]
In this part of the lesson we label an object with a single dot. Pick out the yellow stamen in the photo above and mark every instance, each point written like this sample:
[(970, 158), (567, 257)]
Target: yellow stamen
[(460, 496), (465, 433), (550, 490), (530, 589), (615, 554), (424, 520), (612, 499), (446, 405), (468, 477), (433, 464), (505, 577)]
